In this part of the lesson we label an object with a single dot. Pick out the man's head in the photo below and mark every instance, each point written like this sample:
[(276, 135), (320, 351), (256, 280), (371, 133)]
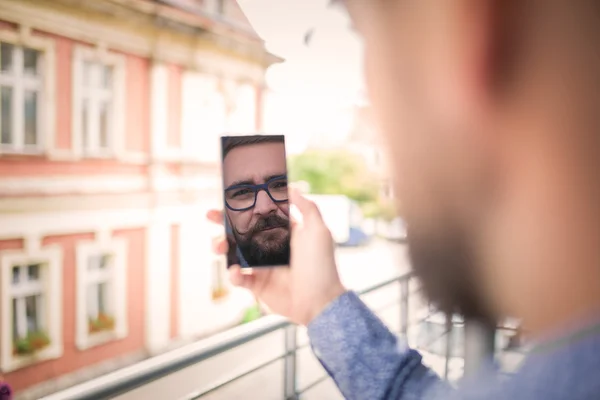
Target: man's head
[(255, 190), (488, 109)]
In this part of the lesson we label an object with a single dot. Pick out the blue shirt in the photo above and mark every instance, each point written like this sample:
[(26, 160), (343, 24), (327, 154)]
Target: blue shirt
[(368, 362)]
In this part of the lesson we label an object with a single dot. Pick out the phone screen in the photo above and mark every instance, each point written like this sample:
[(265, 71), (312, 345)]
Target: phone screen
[(255, 193)]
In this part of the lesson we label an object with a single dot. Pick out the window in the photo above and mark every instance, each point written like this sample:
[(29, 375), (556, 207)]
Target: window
[(100, 311), (29, 324), (220, 287), (21, 92), (96, 107), (31, 307), (101, 293), (98, 98)]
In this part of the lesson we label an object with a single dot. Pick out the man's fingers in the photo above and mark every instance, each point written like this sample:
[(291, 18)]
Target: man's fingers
[(295, 216), (215, 216), (220, 245), (253, 279), (307, 208), (240, 279)]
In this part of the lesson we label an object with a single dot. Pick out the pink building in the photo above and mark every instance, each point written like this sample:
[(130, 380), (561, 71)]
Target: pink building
[(110, 117)]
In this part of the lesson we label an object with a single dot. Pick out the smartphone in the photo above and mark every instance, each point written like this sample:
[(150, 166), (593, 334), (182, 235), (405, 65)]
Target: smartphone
[(255, 197)]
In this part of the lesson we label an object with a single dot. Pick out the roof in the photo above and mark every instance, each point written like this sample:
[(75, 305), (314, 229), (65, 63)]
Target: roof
[(193, 18)]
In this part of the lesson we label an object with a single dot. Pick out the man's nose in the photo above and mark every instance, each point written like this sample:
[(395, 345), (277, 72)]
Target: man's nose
[(264, 204)]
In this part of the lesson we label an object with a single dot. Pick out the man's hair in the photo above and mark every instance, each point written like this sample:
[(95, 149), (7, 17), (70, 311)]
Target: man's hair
[(231, 142)]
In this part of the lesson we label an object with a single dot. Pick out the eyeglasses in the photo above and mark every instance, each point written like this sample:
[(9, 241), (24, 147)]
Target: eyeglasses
[(243, 197)]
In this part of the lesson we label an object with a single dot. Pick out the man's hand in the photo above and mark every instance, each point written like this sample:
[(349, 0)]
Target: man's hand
[(302, 291)]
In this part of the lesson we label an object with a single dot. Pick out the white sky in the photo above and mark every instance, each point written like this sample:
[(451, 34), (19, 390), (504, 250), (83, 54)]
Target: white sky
[(316, 85)]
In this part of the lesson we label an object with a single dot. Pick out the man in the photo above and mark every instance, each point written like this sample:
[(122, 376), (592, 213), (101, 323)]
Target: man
[(256, 199), (489, 111)]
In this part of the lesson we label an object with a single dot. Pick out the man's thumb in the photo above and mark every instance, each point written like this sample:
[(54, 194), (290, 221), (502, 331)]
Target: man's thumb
[(307, 208)]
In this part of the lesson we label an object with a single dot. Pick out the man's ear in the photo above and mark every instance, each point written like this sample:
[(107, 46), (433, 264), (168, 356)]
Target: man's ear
[(474, 54), (494, 54), (479, 35)]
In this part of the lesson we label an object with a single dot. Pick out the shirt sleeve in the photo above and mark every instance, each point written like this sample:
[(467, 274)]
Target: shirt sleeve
[(364, 358)]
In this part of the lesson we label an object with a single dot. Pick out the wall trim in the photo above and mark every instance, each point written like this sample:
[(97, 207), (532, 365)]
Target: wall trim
[(63, 223), (52, 223), (158, 284), (104, 184), (58, 184)]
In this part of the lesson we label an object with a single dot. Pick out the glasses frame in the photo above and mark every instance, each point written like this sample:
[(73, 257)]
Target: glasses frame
[(256, 188)]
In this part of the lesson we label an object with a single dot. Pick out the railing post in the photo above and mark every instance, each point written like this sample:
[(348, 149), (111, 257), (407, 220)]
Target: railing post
[(480, 345), (290, 388), (449, 337), (404, 294)]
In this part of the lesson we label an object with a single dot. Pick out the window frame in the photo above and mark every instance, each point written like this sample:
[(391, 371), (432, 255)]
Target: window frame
[(220, 285), (117, 248), (23, 290), (46, 112), (116, 130), (51, 260)]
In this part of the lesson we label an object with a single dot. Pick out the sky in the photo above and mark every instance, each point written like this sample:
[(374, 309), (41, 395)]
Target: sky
[(316, 86)]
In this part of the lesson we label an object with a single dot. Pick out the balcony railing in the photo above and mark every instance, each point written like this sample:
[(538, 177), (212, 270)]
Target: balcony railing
[(130, 379)]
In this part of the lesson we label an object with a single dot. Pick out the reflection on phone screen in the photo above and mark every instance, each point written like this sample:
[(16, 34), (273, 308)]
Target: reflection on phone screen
[(255, 192)]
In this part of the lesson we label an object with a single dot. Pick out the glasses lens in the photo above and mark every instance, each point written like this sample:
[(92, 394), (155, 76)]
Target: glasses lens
[(279, 189), (240, 197)]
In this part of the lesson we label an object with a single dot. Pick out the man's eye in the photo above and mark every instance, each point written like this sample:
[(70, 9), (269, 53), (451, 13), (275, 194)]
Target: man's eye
[(280, 184), (242, 193)]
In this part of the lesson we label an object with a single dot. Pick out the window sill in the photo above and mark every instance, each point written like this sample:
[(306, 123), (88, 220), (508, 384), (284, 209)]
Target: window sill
[(10, 152), (100, 155), (98, 339), (220, 295), (16, 362), (126, 158)]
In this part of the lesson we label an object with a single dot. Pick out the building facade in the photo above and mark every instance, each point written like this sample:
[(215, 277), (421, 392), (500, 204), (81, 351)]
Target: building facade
[(110, 118)]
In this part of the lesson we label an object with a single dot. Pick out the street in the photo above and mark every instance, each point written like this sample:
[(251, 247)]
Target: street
[(359, 268)]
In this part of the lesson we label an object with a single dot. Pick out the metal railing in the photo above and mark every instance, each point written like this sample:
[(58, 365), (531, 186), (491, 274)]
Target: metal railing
[(131, 378), (150, 370)]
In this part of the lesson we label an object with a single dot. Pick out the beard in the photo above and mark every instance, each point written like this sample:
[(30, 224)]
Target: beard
[(269, 252), (445, 263)]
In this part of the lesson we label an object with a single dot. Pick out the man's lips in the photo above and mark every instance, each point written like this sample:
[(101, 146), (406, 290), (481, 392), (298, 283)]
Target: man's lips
[(270, 228)]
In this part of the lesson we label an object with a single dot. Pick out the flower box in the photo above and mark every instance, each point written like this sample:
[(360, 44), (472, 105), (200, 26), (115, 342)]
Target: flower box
[(32, 343), (219, 293), (103, 323)]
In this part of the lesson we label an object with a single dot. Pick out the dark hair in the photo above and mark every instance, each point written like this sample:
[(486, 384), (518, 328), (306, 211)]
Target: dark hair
[(231, 142)]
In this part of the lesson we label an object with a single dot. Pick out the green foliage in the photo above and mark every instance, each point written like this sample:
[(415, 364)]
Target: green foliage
[(34, 341), (104, 322), (252, 314), (379, 210), (336, 172)]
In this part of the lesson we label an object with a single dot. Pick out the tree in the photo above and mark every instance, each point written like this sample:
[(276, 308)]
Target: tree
[(338, 172)]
